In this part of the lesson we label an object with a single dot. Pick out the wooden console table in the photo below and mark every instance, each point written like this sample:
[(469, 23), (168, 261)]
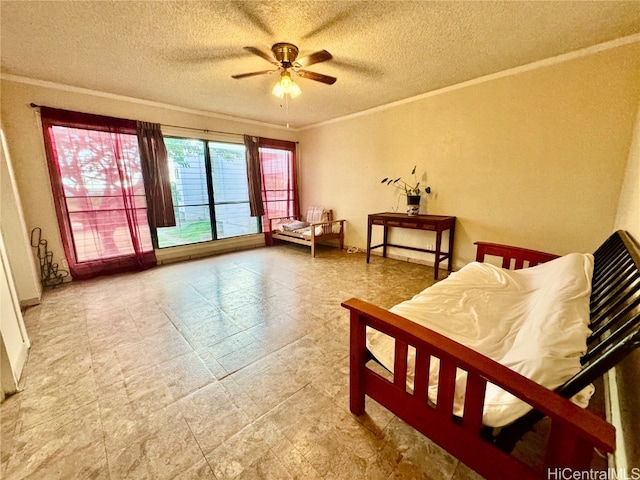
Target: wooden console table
[(436, 223)]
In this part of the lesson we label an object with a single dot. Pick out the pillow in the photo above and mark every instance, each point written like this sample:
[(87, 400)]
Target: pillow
[(316, 214), (295, 225)]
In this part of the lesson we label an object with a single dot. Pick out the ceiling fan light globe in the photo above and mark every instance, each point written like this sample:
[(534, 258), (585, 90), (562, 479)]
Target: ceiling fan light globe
[(294, 90), (278, 91), (286, 81)]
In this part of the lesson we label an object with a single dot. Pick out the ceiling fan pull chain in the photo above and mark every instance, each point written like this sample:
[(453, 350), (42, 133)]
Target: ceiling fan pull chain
[(286, 103)]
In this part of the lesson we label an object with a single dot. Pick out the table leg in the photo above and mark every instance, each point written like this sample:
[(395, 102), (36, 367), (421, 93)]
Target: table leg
[(369, 241), (436, 265), (452, 231), (384, 241)]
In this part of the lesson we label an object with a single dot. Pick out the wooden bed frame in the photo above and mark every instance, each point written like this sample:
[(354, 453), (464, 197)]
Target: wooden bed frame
[(574, 433), (328, 233)]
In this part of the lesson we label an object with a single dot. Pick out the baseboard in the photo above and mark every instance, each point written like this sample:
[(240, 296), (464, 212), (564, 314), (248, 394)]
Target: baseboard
[(30, 302), (403, 258), (617, 460), (207, 249)]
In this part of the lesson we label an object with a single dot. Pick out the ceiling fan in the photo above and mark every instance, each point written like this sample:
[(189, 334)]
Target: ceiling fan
[(285, 58)]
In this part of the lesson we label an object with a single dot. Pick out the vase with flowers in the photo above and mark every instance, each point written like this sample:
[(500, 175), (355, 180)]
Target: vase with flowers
[(412, 191)]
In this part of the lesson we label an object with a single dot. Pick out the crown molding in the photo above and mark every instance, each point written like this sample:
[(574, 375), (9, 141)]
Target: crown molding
[(138, 101)]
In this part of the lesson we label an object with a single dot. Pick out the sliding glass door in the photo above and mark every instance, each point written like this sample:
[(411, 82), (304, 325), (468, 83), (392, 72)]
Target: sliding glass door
[(210, 193), (231, 191)]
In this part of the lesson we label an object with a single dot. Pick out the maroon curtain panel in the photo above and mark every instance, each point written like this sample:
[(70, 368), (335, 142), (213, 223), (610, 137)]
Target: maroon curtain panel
[(254, 178), (99, 197), (155, 173), (279, 181)]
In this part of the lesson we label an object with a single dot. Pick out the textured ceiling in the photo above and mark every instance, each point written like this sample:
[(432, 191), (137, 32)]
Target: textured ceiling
[(184, 53)]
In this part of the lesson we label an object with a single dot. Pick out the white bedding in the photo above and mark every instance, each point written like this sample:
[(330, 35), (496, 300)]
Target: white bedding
[(534, 321)]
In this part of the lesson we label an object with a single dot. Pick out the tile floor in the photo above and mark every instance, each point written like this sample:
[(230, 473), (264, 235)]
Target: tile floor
[(229, 367)]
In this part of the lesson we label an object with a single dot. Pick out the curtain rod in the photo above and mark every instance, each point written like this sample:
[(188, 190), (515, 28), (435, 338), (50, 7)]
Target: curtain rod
[(34, 105), (202, 130)]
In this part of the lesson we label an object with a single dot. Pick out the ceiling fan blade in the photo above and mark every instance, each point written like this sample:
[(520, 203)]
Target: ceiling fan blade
[(316, 57), (260, 53), (252, 74), (318, 77)]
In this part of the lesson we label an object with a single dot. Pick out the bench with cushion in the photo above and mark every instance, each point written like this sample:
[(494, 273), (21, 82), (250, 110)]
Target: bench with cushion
[(317, 227)]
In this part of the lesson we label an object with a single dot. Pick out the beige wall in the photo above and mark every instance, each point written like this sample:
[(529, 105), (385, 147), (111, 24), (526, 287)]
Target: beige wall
[(628, 217), (534, 159), (628, 372), (25, 272), (24, 139)]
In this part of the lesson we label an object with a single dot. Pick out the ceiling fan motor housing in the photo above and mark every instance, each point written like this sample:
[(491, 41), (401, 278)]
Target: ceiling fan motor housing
[(285, 53)]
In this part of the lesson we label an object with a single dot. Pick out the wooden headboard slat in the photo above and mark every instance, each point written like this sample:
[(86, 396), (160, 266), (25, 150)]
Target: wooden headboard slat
[(611, 313), (615, 310), (620, 266)]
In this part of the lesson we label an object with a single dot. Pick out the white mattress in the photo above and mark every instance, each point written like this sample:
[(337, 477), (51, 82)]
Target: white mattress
[(534, 321)]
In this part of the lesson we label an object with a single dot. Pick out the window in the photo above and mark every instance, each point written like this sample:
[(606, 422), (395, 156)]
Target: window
[(95, 187), (210, 193), (278, 182), (98, 192)]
